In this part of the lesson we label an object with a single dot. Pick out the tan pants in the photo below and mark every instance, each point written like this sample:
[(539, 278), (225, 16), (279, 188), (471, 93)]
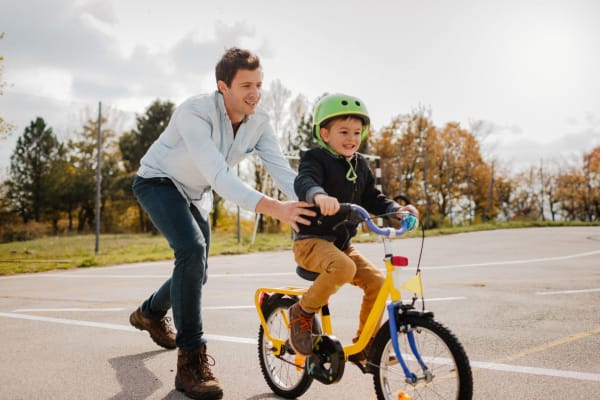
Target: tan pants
[(336, 268)]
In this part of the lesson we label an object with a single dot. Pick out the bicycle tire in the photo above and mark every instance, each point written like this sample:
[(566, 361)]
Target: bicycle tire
[(279, 372), (442, 352)]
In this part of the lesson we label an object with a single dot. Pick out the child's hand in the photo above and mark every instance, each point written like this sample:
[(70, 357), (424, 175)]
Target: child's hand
[(411, 220), (409, 208), (327, 204)]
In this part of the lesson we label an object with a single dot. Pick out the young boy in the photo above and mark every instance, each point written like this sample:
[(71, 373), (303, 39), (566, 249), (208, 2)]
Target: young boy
[(328, 175)]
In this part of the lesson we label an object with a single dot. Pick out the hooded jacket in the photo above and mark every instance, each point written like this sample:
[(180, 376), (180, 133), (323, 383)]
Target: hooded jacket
[(320, 171)]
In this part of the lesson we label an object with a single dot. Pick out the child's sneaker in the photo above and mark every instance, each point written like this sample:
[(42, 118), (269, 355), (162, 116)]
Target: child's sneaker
[(301, 330)]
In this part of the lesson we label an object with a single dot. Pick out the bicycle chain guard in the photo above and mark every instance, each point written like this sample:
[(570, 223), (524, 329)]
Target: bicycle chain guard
[(326, 363)]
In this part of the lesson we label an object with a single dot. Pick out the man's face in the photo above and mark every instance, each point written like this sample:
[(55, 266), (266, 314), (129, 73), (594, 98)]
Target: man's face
[(244, 94)]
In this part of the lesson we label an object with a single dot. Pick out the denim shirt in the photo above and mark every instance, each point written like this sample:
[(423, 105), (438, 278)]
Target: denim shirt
[(197, 151)]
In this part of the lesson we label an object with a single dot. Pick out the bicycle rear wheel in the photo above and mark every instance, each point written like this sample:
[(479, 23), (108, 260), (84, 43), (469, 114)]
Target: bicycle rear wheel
[(447, 374), (281, 372)]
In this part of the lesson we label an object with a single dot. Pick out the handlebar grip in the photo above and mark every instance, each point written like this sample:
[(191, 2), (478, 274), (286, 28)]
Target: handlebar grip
[(409, 220), (345, 209)]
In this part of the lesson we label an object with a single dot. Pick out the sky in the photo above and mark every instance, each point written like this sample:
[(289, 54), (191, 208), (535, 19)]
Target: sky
[(529, 70)]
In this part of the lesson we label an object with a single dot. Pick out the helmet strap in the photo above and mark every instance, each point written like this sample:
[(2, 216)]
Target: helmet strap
[(351, 174)]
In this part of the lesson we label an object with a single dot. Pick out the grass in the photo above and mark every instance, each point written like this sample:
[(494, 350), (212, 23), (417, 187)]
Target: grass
[(66, 252)]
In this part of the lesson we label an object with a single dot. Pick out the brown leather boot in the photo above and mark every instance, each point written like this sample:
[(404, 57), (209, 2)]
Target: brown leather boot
[(160, 330), (194, 377)]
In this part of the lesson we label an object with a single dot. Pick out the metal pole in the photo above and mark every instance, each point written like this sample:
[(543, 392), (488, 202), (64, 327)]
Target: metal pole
[(98, 176), (239, 225)]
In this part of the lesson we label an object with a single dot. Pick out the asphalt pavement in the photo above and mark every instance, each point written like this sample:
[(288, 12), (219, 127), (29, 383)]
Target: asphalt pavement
[(525, 303)]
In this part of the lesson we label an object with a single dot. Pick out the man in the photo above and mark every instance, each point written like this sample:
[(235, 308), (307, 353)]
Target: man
[(206, 136)]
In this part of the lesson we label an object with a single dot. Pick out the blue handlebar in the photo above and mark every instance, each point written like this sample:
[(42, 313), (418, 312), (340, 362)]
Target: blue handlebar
[(407, 222)]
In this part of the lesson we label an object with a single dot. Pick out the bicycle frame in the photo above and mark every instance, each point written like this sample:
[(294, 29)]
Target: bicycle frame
[(388, 290)]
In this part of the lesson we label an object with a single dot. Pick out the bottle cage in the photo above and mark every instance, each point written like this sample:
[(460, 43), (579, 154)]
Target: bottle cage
[(326, 363)]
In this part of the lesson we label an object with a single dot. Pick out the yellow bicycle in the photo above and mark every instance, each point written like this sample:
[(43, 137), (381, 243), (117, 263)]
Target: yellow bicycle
[(411, 356)]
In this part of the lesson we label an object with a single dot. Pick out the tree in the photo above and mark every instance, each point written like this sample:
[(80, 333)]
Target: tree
[(5, 127), (571, 194), (413, 138), (298, 126), (82, 158), (305, 138), (591, 171), (30, 180), (456, 151), (149, 126), (274, 102), (525, 201)]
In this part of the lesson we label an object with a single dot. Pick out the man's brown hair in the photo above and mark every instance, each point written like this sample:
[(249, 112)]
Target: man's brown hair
[(233, 60)]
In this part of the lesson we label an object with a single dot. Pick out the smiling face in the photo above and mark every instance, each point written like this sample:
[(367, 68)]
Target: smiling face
[(343, 135), (242, 97)]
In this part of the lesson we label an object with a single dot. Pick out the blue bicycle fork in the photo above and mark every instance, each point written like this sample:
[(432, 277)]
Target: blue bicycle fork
[(410, 376)]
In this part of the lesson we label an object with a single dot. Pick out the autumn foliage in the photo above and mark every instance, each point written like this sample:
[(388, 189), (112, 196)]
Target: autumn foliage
[(51, 185)]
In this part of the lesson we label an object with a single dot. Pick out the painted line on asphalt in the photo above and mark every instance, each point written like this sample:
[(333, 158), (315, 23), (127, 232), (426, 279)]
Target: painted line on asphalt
[(552, 344), (64, 321), (569, 291), (443, 299), (25, 310), (232, 339), (515, 262), (265, 274), (253, 307), (209, 308), (582, 376)]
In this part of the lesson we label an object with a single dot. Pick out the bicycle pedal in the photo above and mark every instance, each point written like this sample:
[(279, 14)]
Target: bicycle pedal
[(300, 362), (288, 347), (363, 366)]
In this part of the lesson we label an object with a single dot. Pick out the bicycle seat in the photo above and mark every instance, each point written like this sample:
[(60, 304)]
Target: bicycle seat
[(306, 274)]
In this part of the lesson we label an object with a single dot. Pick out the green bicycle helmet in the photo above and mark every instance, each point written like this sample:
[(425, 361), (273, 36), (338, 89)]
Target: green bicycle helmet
[(337, 105)]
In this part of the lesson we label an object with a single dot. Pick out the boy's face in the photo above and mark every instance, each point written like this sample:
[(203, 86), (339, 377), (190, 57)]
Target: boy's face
[(343, 135), (244, 94)]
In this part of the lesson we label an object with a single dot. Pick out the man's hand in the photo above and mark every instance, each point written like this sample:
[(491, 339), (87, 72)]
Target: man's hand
[(292, 212), (327, 204)]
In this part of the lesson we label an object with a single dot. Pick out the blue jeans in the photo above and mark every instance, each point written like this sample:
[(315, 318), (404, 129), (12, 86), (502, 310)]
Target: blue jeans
[(188, 235)]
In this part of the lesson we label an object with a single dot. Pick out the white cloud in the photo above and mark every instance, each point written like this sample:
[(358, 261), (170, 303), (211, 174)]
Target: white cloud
[(530, 66)]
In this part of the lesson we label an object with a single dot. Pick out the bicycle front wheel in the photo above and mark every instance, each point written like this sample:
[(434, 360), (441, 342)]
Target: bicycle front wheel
[(439, 367), (284, 373)]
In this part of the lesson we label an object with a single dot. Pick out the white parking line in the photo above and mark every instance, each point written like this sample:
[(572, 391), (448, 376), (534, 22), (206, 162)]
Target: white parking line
[(69, 322), (19, 310), (443, 299), (583, 376), (569, 291), (264, 274), (252, 307), (227, 308), (514, 262)]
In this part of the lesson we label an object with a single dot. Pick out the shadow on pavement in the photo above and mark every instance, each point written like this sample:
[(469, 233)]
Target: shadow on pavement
[(264, 396), (136, 381)]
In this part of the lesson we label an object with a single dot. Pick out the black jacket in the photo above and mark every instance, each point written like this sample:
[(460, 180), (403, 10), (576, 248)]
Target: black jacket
[(322, 172)]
